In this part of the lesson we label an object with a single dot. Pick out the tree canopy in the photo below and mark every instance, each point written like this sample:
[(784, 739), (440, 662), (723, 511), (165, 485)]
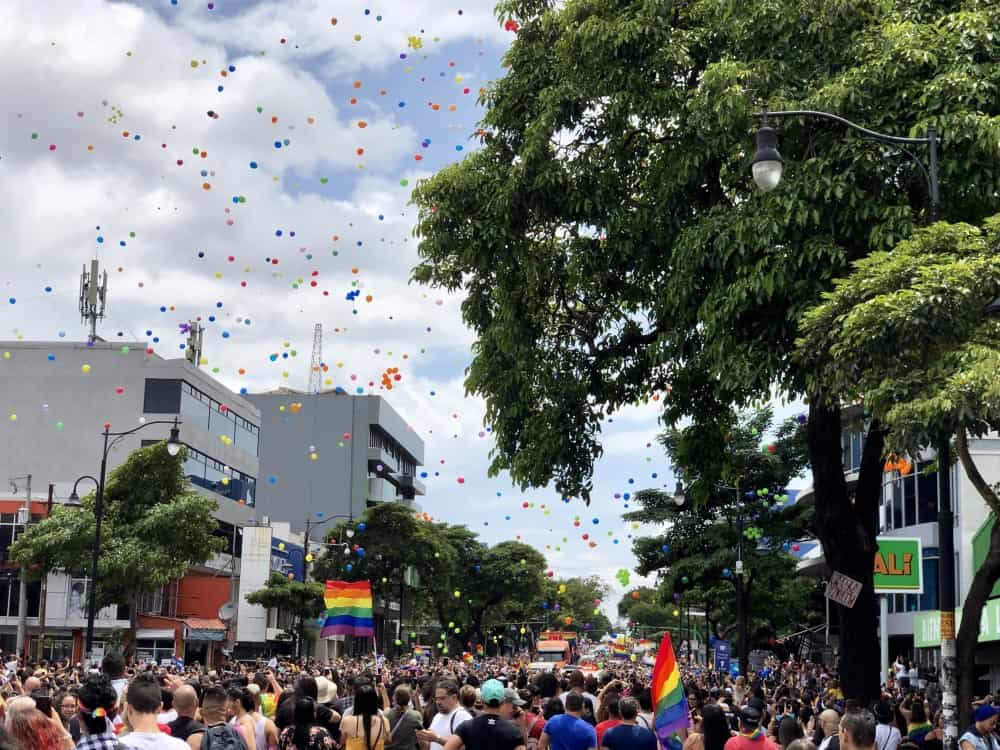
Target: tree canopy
[(612, 247), (302, 602), (155, 527)]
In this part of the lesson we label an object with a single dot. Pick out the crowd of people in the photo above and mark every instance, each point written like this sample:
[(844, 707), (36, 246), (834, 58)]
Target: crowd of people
[(491, 704)]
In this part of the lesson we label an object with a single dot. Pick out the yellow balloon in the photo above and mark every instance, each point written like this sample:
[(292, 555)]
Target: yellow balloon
[(85, 369), (309, 558), (281, 546)]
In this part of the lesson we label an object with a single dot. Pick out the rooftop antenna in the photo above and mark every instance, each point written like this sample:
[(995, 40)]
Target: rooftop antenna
[(315, 362), (195, 332), (93, 297)]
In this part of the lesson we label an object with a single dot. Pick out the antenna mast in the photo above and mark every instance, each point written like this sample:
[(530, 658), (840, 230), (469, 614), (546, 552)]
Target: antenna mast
[(316, 361), (93, 297), (193, 350)]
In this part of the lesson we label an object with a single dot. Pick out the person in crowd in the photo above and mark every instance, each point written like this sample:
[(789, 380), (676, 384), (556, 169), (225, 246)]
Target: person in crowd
[(217, 734), (553, 707), (751, 735), (404, 721), (96, 709), (577, 684), (65, 704), (448, 718), (270, 738), (918, 725), (490, 730), (645, 717), (186, 705), (629, 734), (113, 665), (365, 728), (713, 733), (610, 705), (887, 736), (305, 732), (980, 735), (142, 703), (857, 730), (569, 731), (240, 704), (789, 730), (829, 727)]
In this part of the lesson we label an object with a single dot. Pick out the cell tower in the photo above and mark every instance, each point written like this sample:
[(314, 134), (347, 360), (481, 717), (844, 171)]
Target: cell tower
[(316, 361), (93, 297), (193, 350)]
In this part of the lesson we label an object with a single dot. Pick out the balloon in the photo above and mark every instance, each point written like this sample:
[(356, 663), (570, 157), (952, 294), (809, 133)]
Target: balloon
[(362, 526), (665, 549), (635, 594)]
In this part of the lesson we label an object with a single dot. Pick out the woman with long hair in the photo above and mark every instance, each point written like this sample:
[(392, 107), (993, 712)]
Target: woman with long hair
[(714, 730), (366, 728), (240, 711), (30, 728), (305, 733)]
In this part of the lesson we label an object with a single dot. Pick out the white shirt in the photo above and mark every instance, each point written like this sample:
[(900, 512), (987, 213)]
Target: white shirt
[(444, 725), (826, 742), (886, 737), (152, 741)]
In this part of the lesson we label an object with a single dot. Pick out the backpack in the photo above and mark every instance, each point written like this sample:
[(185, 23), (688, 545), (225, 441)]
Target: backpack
[(222, 737)]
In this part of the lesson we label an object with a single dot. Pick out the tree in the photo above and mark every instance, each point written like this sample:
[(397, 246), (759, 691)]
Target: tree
[(467, 583), (728, 475), (931, 291), (577, 600), (154, 528), (301, 601), (612, 247)]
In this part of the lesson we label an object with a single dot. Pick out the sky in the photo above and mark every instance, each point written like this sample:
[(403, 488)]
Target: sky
[(249, 164)]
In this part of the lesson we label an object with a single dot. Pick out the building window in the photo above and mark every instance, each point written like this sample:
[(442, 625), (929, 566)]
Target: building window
[(213, 475), (77, 599), (162, 396), (897, 506), (195, 407), (929, 599), (154, 649), (247, 436), (53, 649), (927, 494), (9, 592)]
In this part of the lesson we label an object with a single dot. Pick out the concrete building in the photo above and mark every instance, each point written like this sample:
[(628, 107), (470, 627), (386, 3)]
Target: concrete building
[(328, 455), (909, 509), (56, 398)]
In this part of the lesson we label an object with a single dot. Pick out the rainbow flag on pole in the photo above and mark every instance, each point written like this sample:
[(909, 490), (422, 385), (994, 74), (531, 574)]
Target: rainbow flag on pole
[(348, 609), (670, 705)]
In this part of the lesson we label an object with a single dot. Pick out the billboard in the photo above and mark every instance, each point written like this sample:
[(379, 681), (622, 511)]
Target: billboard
[(898, 566)]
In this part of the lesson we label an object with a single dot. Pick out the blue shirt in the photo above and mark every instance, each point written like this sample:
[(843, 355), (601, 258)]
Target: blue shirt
[(567, 732), (629, 737)]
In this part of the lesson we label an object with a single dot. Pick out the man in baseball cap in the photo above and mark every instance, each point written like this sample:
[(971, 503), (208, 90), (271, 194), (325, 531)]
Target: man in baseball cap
[(489, 730)]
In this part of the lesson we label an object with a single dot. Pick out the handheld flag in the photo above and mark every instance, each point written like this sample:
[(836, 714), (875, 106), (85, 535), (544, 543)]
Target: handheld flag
[(669, 702), (348, 609)]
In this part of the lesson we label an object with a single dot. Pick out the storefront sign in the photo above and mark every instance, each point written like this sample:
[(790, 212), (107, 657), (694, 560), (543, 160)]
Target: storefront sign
[(927, 625), (898, 567)]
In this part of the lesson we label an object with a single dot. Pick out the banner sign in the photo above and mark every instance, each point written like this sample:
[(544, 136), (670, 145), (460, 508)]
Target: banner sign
[(722, 654), (898, 567)]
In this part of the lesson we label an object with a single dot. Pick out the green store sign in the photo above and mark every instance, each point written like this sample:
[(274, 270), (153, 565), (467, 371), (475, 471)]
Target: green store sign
[(898, 567), (927, 625)]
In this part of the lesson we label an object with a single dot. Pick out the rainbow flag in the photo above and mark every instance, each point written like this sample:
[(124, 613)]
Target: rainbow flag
[(619, 650), (348, 609), (670, 705)]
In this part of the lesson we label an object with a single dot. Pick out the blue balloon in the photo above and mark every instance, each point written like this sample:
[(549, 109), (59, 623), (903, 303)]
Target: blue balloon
[(665, 549), (361, 551), (362, 526), (726, 573), (349, 567)]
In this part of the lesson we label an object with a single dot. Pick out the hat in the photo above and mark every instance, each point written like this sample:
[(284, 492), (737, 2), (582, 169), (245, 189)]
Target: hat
[(750, 716), (986, 712), (326, 691), (493, 693), (510, 696)]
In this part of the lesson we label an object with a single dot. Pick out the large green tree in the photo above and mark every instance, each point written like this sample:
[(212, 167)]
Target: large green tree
[(611, 245), (461, 580), (155, 527), (731, 472), (577, 600), (929, 294)]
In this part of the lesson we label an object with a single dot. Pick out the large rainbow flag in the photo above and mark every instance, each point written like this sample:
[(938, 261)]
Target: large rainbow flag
[(348, 609), (670, 705)]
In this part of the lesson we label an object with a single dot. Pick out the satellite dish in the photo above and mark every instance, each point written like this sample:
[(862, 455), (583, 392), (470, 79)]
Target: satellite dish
[(227, 611)]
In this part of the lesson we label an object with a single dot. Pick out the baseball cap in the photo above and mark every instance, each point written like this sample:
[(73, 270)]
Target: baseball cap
[(750, 716), (493, 693), (510, 696), (986, 712)]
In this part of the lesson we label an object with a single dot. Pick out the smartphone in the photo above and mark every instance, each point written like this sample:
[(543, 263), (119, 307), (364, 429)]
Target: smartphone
[(44, 704)]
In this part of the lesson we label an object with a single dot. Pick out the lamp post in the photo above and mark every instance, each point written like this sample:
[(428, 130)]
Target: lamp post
[(23, 519), (767, 167), (742, 629), (310, 525), (173, 448)]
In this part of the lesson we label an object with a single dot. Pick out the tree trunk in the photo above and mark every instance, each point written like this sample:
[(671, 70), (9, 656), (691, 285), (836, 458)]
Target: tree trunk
[(982, 583), (133, 627), (847, 530)]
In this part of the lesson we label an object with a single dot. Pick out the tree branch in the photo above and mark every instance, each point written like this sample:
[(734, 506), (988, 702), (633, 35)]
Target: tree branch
[(988, 494)]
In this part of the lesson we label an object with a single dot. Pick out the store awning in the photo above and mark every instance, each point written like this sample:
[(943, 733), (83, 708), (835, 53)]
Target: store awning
[(204, 629)]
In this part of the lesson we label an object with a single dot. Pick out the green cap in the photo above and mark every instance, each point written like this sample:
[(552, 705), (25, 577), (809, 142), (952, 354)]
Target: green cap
[(492, 691)]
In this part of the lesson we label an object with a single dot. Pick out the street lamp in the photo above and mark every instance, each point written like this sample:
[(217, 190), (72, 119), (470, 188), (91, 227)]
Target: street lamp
[(679, 496), (173, 448), (766, 154)]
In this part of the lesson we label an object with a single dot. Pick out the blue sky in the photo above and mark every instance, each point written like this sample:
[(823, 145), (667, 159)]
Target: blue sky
[(106, 139)]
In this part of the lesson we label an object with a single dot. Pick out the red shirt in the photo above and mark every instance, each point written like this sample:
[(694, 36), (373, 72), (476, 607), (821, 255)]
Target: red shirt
[(743, 742), (603, 727), (536, 728)]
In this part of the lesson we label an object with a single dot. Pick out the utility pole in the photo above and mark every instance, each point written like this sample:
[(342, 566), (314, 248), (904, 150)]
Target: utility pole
[(23, 517), (40, 650)]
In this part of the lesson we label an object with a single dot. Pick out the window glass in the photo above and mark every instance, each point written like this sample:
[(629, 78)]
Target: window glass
[(214, 474), (927, 495), (857, 443), (194, 408), (246, 436), (929, 599), (910, 499), (222, 422), (897, 504), (194, 467), (161, 396), (900, 606)]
